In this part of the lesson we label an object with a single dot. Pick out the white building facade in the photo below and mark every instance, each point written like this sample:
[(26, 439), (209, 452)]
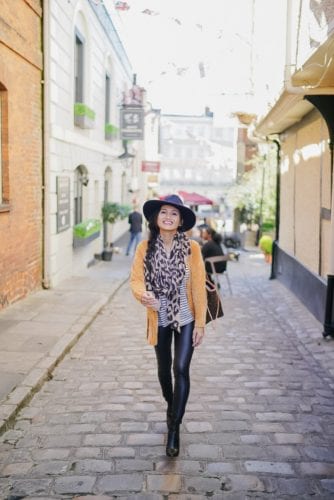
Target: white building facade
[(87, 73), (197, 155)]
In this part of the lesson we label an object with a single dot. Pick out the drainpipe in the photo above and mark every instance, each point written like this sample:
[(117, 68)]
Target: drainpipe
[(257, 139), (278, 206), (46, 165)]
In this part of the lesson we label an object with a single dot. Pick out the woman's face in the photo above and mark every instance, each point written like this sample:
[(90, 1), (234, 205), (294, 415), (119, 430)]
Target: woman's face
[(205, 235), (169, 218)]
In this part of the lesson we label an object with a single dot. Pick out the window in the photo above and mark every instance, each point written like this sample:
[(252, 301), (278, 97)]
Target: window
[(176, 173), (1, 129), (79, 180), (4, 175), (106, 198), (123, 189), (107, 184), (96, 199), (189, 153), (166, 174), (107, 99), (79, 67)]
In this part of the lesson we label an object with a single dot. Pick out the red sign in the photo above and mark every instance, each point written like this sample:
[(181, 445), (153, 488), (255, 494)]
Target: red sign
[(150, 166), (122, 6)]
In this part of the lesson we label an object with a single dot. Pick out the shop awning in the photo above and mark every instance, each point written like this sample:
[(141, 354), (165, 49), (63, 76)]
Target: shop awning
[(194, 198)]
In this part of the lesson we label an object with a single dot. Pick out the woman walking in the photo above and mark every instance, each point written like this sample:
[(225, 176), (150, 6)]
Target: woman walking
[(168, 278)]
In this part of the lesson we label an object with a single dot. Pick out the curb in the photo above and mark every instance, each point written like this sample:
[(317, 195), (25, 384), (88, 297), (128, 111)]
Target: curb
[(42, 371)]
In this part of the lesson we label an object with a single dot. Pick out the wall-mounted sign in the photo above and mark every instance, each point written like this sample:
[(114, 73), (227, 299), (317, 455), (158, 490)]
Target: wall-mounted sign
[(152, 179), (63, 203), (132, 123), (150, 166)]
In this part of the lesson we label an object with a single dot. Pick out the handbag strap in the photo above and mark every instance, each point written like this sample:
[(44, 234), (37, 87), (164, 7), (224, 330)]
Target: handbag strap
[(211, 287)]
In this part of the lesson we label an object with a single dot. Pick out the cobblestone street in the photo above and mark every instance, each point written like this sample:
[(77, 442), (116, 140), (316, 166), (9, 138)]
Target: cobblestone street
[(259, 421)]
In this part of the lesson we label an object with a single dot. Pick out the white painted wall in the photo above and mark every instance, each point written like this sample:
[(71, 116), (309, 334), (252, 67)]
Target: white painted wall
[(70, 146)]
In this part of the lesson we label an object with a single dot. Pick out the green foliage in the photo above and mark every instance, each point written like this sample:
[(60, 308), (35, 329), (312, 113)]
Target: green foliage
[(87, 228), (111, 212), (80, 109), (266, 244), (254, 194), (267, 226), (111, 129)]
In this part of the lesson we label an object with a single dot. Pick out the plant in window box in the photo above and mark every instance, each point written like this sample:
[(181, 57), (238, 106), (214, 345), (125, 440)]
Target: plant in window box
[(85, 232), (110, 131), (111, 213), (84, 117)]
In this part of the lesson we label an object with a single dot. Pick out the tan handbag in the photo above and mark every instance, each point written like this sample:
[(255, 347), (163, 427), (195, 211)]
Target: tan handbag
[(215, 308)]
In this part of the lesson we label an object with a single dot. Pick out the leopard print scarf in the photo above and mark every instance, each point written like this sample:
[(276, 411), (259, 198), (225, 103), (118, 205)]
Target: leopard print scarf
[(164, 275)]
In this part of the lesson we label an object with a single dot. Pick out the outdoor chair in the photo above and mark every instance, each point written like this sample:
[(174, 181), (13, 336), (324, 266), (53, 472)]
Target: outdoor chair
[(215, 275)]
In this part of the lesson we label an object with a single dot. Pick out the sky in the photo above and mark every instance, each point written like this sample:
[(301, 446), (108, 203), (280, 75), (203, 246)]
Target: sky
[(189, 54)]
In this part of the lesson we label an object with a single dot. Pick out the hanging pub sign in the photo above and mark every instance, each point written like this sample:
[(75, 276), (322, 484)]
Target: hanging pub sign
[(150, 166), (63, 203), (132, 122)]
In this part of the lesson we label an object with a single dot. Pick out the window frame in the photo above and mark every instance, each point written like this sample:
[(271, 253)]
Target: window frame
[(107, 98), (79, 69), (78, 195), (4, 163)]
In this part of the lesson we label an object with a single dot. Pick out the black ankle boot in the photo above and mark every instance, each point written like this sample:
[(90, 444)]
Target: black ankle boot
[(173, 440)]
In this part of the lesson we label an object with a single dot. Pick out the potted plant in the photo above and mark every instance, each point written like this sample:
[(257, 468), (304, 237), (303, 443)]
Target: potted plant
[(266, 245), (84, 117), (112, 212)]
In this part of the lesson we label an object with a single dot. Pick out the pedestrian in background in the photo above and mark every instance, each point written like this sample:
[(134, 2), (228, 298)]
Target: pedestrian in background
[(135, 220), (168, 278), (212, 247)]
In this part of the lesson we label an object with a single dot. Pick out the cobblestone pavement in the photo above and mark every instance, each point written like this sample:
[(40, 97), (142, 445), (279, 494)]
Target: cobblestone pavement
[(259, 421)]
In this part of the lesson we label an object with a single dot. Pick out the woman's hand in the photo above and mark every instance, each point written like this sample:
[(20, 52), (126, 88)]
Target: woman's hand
[(198, 335), (148, 300)]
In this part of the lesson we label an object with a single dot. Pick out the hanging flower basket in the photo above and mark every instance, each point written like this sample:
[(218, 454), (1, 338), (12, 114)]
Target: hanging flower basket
[(110, 131), (84, 117)]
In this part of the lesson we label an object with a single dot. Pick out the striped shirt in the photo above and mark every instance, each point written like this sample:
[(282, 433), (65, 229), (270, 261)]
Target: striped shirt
[(185, 313)]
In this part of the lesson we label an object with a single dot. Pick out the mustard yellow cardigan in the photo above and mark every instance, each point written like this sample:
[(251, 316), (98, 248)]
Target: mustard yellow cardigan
[(195, 287)]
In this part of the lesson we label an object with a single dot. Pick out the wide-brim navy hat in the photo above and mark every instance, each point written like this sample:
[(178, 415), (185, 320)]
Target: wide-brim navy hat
[(188, 217)]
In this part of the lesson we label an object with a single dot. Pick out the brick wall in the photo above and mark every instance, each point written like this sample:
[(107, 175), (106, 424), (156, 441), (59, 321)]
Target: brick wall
[(21, 212)]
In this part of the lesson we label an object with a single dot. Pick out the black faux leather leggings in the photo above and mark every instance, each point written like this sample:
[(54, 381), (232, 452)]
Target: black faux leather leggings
[(183, 351)]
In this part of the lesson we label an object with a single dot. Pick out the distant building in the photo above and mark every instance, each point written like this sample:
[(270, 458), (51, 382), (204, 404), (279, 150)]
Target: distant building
[(197, 155)]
